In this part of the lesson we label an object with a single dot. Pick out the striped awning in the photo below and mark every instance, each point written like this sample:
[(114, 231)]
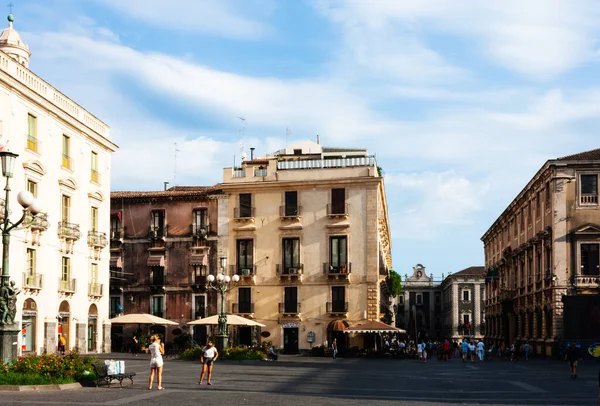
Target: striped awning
[(373, 326), (198, 259), (156, 260), (116, 261)]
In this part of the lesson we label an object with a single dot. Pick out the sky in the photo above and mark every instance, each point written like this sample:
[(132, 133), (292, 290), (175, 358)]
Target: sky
[(460, 101)]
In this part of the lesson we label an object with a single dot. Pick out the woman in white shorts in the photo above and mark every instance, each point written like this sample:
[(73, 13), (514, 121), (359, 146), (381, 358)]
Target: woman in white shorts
[(209, 355), (157, 349)]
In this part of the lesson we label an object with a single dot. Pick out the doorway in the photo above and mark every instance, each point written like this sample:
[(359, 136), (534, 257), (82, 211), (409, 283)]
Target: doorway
[(290, 340), (245, 336), (92, 329), (64, 322)]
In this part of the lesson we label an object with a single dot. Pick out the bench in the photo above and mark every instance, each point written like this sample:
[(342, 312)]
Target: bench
[(102, 375)]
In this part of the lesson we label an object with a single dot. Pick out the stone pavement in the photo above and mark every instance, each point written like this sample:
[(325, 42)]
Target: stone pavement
[(323, 381)]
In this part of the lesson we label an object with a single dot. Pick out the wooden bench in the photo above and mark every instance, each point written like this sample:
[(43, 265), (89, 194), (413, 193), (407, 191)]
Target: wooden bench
[(102, 375)]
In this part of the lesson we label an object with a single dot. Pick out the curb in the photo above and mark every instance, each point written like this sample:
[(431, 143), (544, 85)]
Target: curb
[(30, 388)]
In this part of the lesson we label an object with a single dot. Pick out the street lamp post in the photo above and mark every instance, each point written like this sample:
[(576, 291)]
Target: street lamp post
[(222, 283), (9, 329)]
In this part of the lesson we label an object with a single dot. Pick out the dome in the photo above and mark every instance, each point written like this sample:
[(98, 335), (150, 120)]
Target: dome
[(11, 43)]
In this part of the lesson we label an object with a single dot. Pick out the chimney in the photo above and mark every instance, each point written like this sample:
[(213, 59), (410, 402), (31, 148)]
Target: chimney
[(252, 153), (166, 185), (318, 139)]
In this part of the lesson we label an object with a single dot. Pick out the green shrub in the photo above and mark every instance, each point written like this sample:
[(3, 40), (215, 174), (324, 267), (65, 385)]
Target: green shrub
[(52, 367), (318, 351), (242, 354), (17, 378), (191, 354)]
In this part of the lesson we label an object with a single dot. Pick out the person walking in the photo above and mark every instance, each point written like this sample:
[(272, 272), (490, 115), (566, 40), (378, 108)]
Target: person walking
[(464, 347), (527, 351), (157, 350), (134, 345), (209, 355), (480, 350), (334, 348), (572, 357)]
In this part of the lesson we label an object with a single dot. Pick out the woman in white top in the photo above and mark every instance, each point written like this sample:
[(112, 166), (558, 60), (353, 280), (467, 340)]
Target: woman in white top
[(209, 355), (157, 349)]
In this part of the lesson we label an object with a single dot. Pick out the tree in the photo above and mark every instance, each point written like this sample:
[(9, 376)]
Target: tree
[(396, 283)]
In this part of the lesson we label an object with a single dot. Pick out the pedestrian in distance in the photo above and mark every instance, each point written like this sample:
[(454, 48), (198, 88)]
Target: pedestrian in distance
[(208, 356), (527, 351), (134, 345), (334, 348), (157, 350), (572, 357)]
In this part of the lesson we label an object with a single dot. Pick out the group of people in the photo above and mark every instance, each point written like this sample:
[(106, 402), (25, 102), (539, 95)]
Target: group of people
[(157, 350)]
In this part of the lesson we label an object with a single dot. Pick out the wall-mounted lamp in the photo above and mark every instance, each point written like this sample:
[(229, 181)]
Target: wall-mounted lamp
[(223, 261)]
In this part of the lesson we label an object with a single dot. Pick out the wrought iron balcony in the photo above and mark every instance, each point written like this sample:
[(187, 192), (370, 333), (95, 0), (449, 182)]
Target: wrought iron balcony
[(117, 234), (157, 232), (200, 230), (338, 270), (289, 308), (242, 308), (157, 280), (38, 222), (95, 289), (242, 270), (337, 307), (243, 213), (68, 231), (67, 286), (290, 211), (97, 239), (32, 281), (293, 270), (197, 279)]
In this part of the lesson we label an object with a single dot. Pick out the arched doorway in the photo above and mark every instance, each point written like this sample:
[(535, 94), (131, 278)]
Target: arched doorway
[(336, 329), (64, 318), (28, 326), (92, 328)]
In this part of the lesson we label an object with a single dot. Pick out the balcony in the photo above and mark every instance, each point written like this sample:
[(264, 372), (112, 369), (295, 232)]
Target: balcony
[(66, 286), (238, 173), (68, 231), (337, 308), (197, 281), (156, 232), (242, 270), (97, 239), (245, 308), (32, 282), (32, 144), (337, 271), (157, 280), (67, 162), (587, 281), (244, 213), (588, 200), (326, 163), (117, 234), (200, 230), (290, 212), (289, 272), (39, 222), (200, 314), (95, 290), (260, 173), (289, 308), (339, 210), (95, 176)]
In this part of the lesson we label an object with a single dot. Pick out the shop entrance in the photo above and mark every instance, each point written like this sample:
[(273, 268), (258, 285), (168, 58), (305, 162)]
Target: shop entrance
[(290, 340), (92, 329), (28, 326), (64, 324)]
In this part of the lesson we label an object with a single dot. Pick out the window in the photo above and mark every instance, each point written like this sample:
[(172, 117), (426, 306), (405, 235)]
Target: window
[(297, 152), (115, 225), (547, 195), (199, 273), (338, 254), (537, 203), (291, 203), (31, 255), (466, 295), (589, 259), (32, 141), (338, 299), (66, 208), (244, 300), (94, 274), (548, 262), (95, 176), (157, 276), (158, 305), (290, 300), (157, 222), (589, 189), (245, 205), (291, 255), (66, 152), (94, 219), (522, 220), (538, 264), (515, 227), (419, 298), (199, 307), (200, 224), (466, 318), (529, 213), (401, 299), (245, 260), (338, 201), (115, 306), (32, 187), (437, 300), (66, 269)]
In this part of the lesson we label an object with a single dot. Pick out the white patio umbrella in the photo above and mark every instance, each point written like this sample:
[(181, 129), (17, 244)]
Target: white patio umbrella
[(142, 318), (232, 320)]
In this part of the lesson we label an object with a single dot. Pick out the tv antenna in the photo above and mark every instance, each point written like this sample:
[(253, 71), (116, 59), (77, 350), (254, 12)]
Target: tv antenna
[(243, 129), (288, 131), (176, 150)]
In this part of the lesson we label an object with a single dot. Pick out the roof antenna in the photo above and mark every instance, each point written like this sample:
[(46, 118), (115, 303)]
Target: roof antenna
[(166, 185), (243, 129), (318, 140), (175, 164), (288, 131)]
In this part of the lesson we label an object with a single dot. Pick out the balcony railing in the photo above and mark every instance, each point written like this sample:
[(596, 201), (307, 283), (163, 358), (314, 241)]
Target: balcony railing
[(157, 232), (286, 269), (67, 162), (157, 280), (95, 176), (200, 230), (39, 222), (591, 199), (117, 234), (290, 211), (243, 213), (68, 231), (197, 279), (97, 239), (289, 308), (326, 163), (337, 307), (341, 209), (259, 173), (32, 281), (242, 270), (95, 289), (242, 308), (337, 270), (32, 144), (199, 314), (67, 285), (587, 281), (238, 173)]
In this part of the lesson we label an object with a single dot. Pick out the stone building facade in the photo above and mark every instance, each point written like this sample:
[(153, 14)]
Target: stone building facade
[(60, 259), (542, 252), (308, 233), (163, 244)]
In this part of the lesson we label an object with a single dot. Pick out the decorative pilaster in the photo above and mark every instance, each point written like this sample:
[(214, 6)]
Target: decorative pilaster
[(477, 310), (106, 339), (455, 301), (81, 339)]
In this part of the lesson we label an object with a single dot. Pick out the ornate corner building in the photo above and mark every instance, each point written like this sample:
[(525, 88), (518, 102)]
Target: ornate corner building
[(542, 259)]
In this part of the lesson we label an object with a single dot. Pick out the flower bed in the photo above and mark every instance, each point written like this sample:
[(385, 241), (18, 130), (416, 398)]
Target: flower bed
[(228, 354), (47, 369)]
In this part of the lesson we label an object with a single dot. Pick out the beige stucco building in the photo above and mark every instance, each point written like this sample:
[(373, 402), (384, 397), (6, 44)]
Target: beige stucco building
[(307, 230), (542, 256)]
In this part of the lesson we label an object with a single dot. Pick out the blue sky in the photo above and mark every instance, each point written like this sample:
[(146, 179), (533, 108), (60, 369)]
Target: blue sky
[(461, 102)]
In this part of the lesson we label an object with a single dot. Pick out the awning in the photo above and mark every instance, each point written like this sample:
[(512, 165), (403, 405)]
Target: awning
[(372, 326), (338, 325), (116, 262), (156, 260), (197, 259), (118, 214)]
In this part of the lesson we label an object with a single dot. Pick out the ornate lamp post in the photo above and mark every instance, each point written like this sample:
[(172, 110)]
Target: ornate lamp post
[(222, 284), (9, 330)]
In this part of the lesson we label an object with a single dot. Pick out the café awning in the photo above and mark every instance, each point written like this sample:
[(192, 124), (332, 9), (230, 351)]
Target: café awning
[(156, 260)]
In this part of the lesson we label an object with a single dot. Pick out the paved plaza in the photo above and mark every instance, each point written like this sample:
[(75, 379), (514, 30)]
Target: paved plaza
[(323, 381)]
